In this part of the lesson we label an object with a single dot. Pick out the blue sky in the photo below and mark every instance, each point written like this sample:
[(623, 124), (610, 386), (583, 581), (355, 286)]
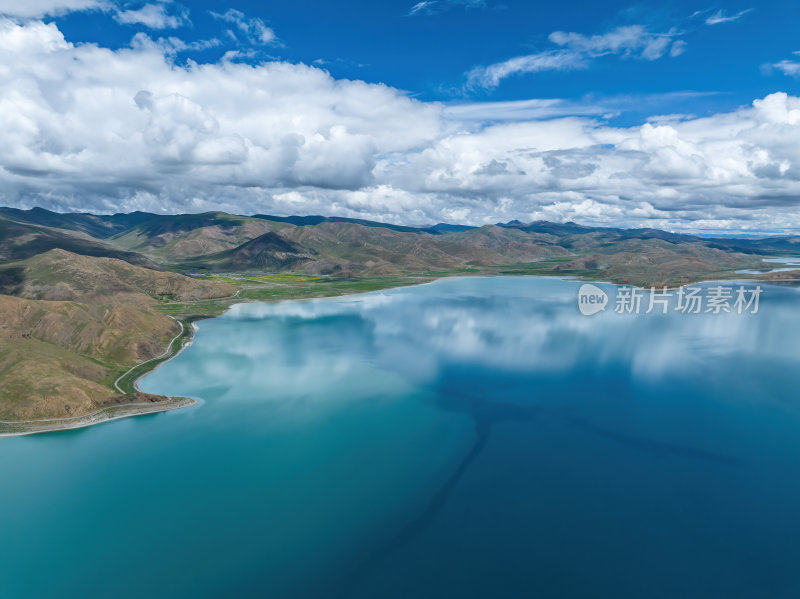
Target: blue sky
[(681, 115), (428, 53)]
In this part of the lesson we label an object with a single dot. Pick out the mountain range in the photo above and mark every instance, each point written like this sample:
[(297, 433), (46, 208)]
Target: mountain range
[(86, 297)]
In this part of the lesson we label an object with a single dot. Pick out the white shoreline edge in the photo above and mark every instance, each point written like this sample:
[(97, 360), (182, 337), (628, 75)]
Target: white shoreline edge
[(100, 416)]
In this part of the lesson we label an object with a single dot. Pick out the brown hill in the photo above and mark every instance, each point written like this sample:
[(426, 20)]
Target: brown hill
[(59, 359), (655, 262), (185, 238), (353, 248), (19, 241), (59, 275)]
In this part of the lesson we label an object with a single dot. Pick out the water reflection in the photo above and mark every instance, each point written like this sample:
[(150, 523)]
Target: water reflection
[(496, 398), (415, 332)]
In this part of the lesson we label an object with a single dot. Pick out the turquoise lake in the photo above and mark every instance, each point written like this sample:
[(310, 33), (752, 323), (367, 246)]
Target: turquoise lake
[(473, 437)]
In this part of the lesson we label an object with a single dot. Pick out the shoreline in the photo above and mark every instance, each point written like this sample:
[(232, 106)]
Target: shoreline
[(163, 354), (175, 403), (165, 357), (46, 425), (51, 425), (21, 428)]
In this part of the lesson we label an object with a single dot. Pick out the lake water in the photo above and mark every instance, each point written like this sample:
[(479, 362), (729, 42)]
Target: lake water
[(791, 262), (468, 438)]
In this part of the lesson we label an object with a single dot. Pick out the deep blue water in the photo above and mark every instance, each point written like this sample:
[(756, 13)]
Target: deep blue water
[(469, 438)]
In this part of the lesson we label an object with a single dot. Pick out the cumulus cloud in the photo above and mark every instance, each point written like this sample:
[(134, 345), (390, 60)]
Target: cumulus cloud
[(255, 30), (81, 121), (733, 164), (154, 16), (576, 51), (88, 128), (721, 17)]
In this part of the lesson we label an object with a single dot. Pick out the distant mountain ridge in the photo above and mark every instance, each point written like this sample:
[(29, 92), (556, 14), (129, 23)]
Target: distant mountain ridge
[(20, 240), (217, 241), (104, 226), (302, 221)]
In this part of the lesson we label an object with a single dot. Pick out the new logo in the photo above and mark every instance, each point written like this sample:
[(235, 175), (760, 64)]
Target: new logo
[(591, 299)]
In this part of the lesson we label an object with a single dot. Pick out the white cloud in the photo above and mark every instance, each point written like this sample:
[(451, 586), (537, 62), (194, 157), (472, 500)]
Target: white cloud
[(593, 105), (129, 125), (41, 8), (423, 7), (491, 76), (89, 128), (171, 45), (255, 30), (628, 41), (721, 17), (575, 51), (520, 110), (678, 48), (154, 16), (787, 67), (739, 167), (431, 7)]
